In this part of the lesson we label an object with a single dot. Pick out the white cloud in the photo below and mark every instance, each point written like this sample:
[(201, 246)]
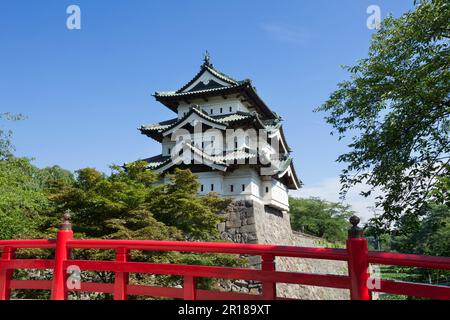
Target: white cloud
[(329, 188), (284, 33)]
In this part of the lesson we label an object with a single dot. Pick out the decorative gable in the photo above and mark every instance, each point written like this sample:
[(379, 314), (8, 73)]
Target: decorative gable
[(206, 81), (193, 118), (208, 78)]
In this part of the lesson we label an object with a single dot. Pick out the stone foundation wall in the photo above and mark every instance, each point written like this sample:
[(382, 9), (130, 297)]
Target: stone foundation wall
[(250, 222)]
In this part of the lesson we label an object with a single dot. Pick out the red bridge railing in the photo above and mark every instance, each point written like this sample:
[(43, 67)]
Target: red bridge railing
[(356, 255)]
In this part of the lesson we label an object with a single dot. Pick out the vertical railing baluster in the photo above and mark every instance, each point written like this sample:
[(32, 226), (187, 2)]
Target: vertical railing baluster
[(121, 278), (6, 274), (358, 265), (269, 288), (190, 288)]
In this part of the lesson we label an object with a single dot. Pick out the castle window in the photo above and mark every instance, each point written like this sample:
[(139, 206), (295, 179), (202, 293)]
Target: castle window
[(231, 109), (212, 186), (201, 188), (231, 188), (243, 187), (235, 142), (267, 189), (221, 110), (168, 151), (211, 111)]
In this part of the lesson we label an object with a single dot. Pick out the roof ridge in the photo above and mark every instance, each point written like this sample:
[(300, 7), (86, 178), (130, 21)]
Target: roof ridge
[(222, 74)]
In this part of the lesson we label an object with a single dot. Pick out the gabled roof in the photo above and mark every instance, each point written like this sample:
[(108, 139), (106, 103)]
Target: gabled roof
[(220, 162), (210, 82), (207, 66), (158, 130)]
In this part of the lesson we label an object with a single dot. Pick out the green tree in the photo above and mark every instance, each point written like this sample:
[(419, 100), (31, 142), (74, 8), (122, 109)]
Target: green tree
[(22, 198), (129, 204), (431, 237), (424, 234), (396, 110), (6, 146), (321, 218)]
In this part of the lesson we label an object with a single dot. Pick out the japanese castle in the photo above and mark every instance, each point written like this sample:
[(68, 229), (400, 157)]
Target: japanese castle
[(227, 136)]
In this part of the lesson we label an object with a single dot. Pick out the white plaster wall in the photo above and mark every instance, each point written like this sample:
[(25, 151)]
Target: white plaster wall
[(254, 187), (242, 176), (166, 145), (208, 178), (280, 194), (230, 105), (277, 195), (223, 181)]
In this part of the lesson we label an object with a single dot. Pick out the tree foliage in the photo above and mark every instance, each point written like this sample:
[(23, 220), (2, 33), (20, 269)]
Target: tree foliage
[(22, 198), (129, 204), (320, 218), (396, 109), (6, 146)]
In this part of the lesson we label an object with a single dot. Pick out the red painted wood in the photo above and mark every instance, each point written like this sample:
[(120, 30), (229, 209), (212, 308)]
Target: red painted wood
[(121, 278), (410, 260), (190, 288), (216, 295), (31, 284), (358, 268), (332, 281), (356, 255), (152, 291), (232, 248), (59, 285), (28, 264), (29, 244), (414, 289), (269, 288), (96, 287), (8, 254)]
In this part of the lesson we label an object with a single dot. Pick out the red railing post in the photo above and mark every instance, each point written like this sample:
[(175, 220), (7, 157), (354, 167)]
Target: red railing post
[(59, 291), (269, 289), (358, 265), (190, 288), (121, 278), (8, 254)]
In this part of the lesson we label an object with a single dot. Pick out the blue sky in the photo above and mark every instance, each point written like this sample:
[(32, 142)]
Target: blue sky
[(85, 92)]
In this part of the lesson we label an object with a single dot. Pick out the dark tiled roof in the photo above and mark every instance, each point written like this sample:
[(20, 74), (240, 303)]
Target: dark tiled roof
[(181, 94), (209, 67), (157, 161), (222, 119)]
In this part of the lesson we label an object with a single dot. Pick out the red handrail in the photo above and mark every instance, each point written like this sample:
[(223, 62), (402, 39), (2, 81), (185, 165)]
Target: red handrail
[(212, 247), (356, 254)]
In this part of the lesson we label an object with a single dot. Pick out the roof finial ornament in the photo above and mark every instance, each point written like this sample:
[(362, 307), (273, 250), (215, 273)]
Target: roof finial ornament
[(207, 59)]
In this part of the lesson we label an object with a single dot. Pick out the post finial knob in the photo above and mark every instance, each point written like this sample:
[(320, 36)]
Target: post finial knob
[(355, 231), (66, 224)]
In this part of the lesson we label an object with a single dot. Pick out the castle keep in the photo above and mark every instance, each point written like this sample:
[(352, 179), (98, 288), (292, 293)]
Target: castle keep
[(230, 139)]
